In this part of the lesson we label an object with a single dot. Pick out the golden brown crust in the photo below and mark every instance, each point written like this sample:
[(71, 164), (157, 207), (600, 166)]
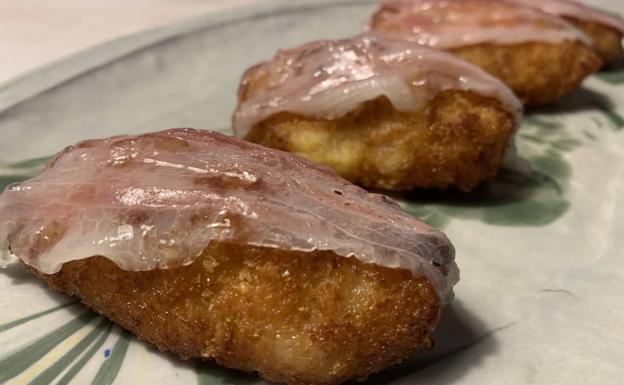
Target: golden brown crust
[(607, 41), (539, 73), (253, 79), (294, 317), (457, 140)]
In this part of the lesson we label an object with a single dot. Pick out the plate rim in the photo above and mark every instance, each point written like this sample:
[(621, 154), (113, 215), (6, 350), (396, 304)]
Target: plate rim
[(41, 79)]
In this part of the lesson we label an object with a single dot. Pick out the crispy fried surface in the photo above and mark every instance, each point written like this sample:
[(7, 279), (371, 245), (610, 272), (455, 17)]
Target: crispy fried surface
[(293, 317), (607, 41), (539, 73), (457, 140)]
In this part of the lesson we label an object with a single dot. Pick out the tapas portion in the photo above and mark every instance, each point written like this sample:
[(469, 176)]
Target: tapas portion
[(384, 114)]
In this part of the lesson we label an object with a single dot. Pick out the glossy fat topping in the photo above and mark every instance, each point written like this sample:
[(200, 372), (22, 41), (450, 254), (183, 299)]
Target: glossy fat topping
[(448, 24), (575, 10), (157, 200), (328, 79)]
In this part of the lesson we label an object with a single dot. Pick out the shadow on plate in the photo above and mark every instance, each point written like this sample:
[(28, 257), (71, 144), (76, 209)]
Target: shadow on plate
[(520, 196), (512, 199), (586, 100), (613, 74), (458, 332), (462, 341), (516, 197), (20, 171)]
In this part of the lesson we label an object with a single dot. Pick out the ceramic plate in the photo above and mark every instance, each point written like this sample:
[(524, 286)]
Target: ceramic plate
[(540, 252)]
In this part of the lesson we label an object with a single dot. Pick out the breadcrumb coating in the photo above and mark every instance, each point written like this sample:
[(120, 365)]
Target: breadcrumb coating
[(539, 73), (293, 317), (456, 141), (606, 41)]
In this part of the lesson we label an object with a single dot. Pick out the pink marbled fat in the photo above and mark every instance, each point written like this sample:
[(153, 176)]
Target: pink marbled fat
[(330, 78), (575, 10), (448, 24), (157, 200)]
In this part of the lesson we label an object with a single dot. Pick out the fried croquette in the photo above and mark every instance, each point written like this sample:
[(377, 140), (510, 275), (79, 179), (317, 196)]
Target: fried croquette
[(457, 140), (293, 317), (606, 41), (604, 28), (539, 73), (384, 114), (539, 56), (213, 247)]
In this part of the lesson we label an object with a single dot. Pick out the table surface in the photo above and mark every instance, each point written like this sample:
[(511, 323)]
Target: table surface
[(34, 33)]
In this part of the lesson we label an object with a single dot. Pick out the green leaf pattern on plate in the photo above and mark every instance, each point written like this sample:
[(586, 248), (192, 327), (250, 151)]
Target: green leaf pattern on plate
[(17, 172), (534, 197)]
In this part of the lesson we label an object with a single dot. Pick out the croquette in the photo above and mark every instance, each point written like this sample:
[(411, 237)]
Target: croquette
[(389, 115), (457, 140), (606, 41), (294, 317), (605, 29), (539, 73), (539, 56), (212, 247)]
